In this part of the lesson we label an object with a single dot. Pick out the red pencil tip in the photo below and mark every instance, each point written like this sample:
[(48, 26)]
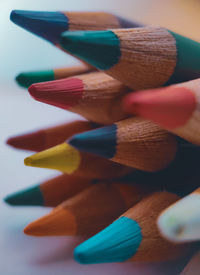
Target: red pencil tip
[(32, 142), (170, 107), (63, 93)]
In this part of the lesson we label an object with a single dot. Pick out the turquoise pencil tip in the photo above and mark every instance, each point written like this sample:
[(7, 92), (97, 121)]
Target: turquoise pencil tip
[(30, 196), (101, 49), (116, 243)]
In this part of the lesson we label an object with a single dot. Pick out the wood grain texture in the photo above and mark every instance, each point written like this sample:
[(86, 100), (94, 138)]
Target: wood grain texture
[(101, 98), (148, 57), (91, 20), (153, 247), (144, 145)]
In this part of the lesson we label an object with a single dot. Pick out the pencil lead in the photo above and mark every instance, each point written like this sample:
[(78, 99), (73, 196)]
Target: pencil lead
[(33, 141), (101, 142), (52, 92), (26, 79), (52, 224), (116, 243), (28, 196), (91, 47), (48, 25), (61, 157)]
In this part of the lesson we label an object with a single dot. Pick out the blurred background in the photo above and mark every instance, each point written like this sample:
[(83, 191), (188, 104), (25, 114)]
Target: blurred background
[(22, 51)]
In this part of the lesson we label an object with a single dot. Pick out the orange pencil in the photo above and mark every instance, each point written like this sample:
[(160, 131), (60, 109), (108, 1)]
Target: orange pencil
[(51, 192), (48, 137), (89, 211), (175, 108)]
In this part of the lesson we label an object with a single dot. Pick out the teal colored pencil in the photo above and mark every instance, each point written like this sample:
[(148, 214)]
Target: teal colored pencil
[(133, 236), (25, 79), (140, 58)]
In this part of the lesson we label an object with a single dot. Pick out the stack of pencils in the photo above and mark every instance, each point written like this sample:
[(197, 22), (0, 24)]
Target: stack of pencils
[(128, 166)]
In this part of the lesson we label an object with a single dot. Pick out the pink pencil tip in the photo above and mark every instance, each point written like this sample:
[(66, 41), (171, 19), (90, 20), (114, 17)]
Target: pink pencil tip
[(170, 107), (63, 93)]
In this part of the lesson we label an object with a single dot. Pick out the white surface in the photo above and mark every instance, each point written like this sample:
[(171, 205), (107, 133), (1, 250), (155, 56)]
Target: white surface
[(19, 113)]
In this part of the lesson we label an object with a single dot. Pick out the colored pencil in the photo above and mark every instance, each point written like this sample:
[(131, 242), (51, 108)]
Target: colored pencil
[(193, 267), (175, 108), (67, 159), (133, 236), (181, 221), (140, 58), (49, 193), (49, 137), (134, 142), (89, 211), (25, 79), (96, 96), (50, 25)]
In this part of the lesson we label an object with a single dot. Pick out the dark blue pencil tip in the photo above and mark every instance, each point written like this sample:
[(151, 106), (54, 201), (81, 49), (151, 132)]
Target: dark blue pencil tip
[(101, 142), (116, 243), (48, 25)]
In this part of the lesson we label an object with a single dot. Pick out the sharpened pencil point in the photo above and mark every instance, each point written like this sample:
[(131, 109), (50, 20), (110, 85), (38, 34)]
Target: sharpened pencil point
[(170, 107), (91, 47), (101, 142), (62, 157), (28, 78), (48, 25), (30, 196), (116, 243), (63, 93), (33, 141), (28, 161), (58, 222)]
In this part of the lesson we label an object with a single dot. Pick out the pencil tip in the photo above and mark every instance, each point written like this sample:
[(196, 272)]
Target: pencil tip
[(28, 161), (29, 196), (59, 222), (48, 25), (26, 79), (101, 141), (33, 141), (99, 48), (62, 157), (170, 107), (63, 93), (116, 243)]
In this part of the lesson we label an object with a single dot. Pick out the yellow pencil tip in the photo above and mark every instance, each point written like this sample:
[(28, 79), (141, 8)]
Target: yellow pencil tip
[(28, 161), (62, 157)]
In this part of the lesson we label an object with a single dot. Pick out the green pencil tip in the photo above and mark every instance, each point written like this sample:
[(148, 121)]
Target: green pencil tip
[(26, 79), (116, 243), (31, 196), (101, 49)]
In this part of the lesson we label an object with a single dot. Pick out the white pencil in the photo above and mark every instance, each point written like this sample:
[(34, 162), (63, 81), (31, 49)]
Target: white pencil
[(181, 221)]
